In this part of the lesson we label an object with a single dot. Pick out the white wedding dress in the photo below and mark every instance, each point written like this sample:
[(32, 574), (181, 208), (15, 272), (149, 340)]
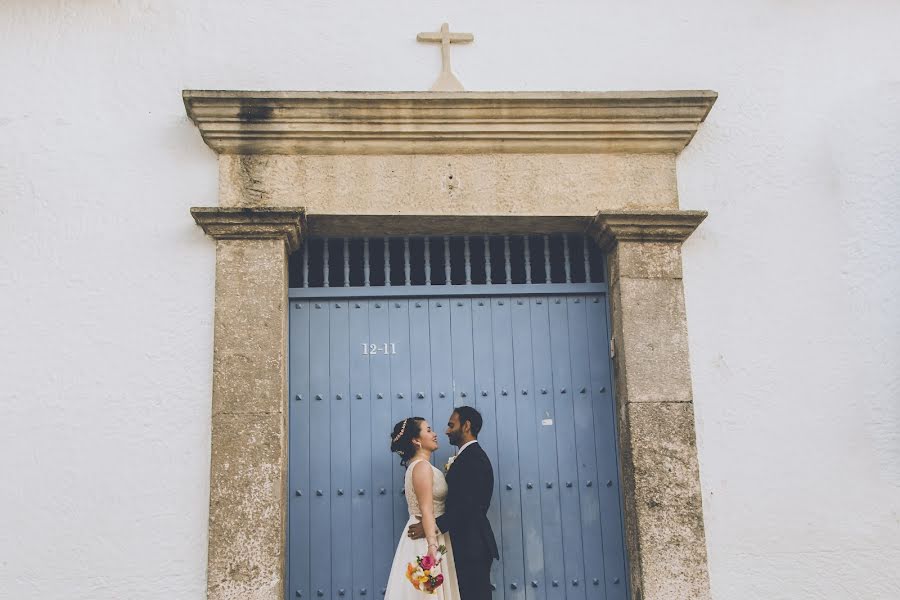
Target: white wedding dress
[(398, 586)]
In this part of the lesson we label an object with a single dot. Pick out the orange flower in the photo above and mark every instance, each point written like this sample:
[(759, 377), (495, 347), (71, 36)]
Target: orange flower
[(410, 570)]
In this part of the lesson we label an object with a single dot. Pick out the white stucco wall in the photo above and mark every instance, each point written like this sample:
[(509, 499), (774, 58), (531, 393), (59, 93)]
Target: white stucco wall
[(106, 284)]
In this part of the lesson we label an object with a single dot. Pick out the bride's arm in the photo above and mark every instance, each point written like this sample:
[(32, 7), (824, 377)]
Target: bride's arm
[(423, 480)]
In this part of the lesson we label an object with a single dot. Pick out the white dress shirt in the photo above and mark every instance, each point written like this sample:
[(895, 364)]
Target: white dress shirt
[(464, 446)]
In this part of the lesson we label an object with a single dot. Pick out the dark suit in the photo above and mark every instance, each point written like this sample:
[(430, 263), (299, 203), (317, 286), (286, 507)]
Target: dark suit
[(471, 483)]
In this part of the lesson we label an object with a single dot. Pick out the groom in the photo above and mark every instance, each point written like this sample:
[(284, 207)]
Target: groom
[(470, 479)]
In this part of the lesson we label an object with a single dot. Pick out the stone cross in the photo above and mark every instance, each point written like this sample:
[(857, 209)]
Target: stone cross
[(446, 81)]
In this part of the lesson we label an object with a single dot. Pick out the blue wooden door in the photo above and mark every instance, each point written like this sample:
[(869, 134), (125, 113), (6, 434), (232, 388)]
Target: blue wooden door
[(537, 368)]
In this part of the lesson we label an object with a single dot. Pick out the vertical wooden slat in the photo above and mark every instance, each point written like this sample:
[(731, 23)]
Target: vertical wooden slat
[(485, 401), (406, 274), (604, 412), (346, 262), (384, 487), (326, 267), (361, 457), (506, 260), (299, 541), (422, 372), (427, 261), (420, 364), (306, 264), (468, 260), (447, 260), (387, 262), (401, 405), (320, 451), (487, 260), (527, 242), (506, 464), (588, 484), (548, 465), (366, 265), (587, 259), (566, 258), (573, 551), (461, 351), (339, 379), (548, 276), (441, 368), (527, 422)]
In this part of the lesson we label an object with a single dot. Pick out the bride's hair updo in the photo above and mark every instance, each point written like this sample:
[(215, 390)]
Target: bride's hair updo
[(404, 433)]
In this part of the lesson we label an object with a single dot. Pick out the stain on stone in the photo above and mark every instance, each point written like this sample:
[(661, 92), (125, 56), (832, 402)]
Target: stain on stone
[(243, 571), (253, 113)]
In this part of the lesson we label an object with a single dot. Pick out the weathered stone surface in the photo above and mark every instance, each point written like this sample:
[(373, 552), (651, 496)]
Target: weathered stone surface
[(249, 460), (498, 184), (250, 326), (311, 123), (664, 513), (644, 225), (246, 507), (246, 223), (650, 326), (620, 364), (645, 260)]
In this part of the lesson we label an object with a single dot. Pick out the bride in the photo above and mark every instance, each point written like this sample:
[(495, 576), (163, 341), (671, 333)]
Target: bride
[(426, 492)]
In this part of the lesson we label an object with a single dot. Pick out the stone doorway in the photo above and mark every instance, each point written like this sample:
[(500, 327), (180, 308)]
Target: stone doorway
[(358, 164)]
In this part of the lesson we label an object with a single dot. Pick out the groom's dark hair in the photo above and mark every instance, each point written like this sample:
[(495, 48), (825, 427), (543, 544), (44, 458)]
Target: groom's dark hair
[(467, 413)]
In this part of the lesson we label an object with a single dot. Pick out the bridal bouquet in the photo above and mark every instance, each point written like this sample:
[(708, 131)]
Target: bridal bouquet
[(423, 572)]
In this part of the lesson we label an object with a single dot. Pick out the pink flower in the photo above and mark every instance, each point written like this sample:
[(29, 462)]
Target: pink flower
[(439, 579), (427, 562)]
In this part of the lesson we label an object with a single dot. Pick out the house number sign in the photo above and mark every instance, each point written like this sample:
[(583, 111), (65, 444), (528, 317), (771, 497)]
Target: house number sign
[(385, 348)]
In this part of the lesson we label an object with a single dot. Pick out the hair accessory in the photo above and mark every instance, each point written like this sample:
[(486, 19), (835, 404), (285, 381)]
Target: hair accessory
[(402, 430)]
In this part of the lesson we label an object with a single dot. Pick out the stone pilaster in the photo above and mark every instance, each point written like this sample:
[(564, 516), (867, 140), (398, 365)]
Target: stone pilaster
[(663, 503), (248, 475)]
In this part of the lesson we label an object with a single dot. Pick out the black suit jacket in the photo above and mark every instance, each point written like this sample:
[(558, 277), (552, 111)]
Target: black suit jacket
[(471, 483)]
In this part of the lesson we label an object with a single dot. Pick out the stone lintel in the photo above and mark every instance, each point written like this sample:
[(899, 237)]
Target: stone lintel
[(310, 123), (447, 185), (237, 223), (673, 226)]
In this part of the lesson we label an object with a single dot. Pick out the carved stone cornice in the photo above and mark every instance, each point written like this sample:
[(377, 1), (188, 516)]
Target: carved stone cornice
[(610, 227), (252, 223), (242, 122)]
